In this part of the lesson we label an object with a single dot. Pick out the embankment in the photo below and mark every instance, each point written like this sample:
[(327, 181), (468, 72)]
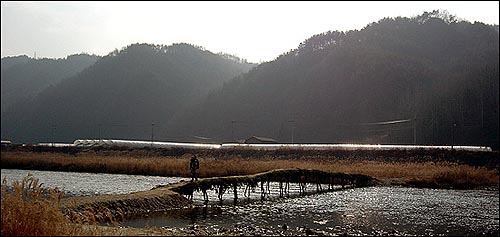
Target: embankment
[(105, 208)]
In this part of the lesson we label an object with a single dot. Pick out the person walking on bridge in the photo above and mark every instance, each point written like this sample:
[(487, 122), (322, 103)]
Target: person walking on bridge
[(193, 166)]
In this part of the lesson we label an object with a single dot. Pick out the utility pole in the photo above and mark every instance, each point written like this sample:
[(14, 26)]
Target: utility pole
[(415, 130), (293, 126), (432, 124), (99, 125), (152, 133), (53, 133), (483, 137), (453, 134), (232, 130)]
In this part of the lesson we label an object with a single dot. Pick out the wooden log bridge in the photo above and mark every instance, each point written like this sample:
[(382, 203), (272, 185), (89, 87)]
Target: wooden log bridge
[(284, 178), (173, 195)]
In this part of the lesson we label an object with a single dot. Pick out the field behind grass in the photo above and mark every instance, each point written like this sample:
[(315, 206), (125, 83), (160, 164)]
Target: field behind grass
[(460, 170)]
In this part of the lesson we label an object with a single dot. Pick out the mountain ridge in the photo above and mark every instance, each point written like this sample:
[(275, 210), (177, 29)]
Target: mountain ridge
[(431, 70), (132, 88), (437, 73)]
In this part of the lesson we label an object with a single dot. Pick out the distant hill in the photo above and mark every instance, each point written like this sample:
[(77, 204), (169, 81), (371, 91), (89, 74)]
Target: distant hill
[(10, 61), (24, 77), (122, 94), (396, 81), (429, 79)]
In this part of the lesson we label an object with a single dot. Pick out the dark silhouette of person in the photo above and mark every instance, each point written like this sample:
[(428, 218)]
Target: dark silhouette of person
[(193, 166)]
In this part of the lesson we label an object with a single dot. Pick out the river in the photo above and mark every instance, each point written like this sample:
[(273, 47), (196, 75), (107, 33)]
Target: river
[(88, 184), (361, 211)]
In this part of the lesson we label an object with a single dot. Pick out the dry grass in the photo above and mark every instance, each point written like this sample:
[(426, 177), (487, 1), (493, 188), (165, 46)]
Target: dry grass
[(433, 174), (25, 212), (28, 211)]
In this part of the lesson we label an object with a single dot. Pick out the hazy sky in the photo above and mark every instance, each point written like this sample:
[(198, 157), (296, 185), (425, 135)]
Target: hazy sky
[(257, 31)]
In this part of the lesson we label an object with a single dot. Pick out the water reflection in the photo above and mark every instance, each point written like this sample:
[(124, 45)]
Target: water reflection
[(364, 211), (86, 184)]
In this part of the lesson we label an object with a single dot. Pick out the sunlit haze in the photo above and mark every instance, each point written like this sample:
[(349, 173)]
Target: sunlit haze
[(256, 31)]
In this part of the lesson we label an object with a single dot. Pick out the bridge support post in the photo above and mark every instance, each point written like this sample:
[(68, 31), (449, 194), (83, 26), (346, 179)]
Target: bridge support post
[(287, 187), (268, 189), (221, 192), (205, 196), (235, 190), (335, 181), (318, 187), (281, 189), (262, 192), (247, 187)]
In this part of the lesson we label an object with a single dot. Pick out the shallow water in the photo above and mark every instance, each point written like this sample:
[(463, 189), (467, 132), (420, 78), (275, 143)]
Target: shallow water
[(362, 211), (86, 184)]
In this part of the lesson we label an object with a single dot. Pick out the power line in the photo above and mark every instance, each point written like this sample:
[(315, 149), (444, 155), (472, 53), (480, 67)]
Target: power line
[(388, 122), (387, 129)]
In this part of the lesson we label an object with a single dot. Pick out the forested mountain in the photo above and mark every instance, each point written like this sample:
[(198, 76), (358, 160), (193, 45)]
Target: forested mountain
[(429, 79), (24, 77), (8, 62), (121, 95)]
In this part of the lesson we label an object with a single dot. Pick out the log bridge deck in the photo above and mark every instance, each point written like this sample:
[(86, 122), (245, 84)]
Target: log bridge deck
[(284, 177)]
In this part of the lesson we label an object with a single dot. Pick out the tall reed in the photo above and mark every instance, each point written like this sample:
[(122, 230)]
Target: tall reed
[(30, 210), (26, 212)]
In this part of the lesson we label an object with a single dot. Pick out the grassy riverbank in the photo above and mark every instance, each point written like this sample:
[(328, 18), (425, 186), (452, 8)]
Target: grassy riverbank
[(413, 171), (27, 211)]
